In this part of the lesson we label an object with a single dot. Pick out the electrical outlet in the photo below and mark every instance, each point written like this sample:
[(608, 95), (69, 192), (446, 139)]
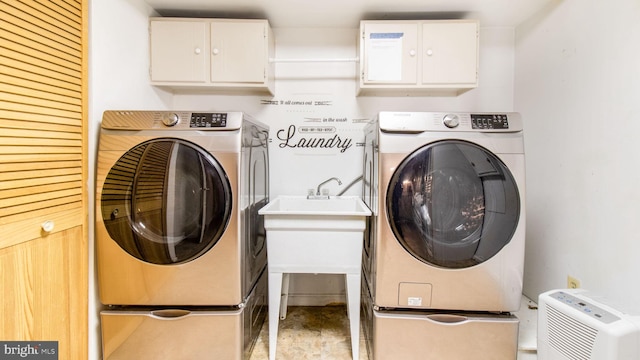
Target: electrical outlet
[(572, 283)]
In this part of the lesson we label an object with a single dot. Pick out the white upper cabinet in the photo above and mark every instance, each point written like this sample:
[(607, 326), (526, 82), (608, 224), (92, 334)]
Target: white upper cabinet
[(418, 57), (450, 53), (179, 51), (239, 51), (390, 53), (216, 54)]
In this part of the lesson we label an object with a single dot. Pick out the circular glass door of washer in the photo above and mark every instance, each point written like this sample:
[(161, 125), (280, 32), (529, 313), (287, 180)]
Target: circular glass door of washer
[(166, 201), (453, 204)]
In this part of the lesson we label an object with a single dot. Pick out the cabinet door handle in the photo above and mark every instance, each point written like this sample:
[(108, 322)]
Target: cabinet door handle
[(47, 226), (215, 51), (197, 51), (429, 52), (412, 52)]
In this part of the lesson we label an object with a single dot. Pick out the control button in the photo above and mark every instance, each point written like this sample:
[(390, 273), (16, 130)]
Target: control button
[(451, 120), (170, 119)]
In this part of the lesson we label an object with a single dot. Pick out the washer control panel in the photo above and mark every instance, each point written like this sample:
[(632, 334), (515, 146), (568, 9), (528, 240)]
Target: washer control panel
[(489, 121), (208, 120), (477, 122)]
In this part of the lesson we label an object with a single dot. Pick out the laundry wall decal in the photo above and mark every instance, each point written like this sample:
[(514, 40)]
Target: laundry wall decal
[(313, 137)]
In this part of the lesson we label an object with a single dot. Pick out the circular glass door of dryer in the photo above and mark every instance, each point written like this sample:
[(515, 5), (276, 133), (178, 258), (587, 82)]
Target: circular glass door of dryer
[(453, 204), (166, 201)]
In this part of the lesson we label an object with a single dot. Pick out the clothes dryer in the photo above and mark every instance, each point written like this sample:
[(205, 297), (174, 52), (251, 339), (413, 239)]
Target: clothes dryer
[(177, 199), (449, 218)]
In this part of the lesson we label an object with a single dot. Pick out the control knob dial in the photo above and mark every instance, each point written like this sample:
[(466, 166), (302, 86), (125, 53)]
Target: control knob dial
[(451, 120), (170, 119)]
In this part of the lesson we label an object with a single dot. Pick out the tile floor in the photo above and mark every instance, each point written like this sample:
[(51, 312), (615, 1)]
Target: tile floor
[(310, 333), (322, 333)]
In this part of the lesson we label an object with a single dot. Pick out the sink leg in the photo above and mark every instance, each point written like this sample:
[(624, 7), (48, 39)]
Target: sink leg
[(353, 311), (275, 289), (285, 296)]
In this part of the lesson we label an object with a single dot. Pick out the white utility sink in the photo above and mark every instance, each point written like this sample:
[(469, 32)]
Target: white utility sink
[(300, 205), (317, 236)]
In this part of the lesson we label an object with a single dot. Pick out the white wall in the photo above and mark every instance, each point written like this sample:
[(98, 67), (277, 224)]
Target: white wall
[(577, 84), (119, 80)]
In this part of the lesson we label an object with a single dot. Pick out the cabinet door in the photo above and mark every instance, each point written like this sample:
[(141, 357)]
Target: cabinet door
[(238, 51), (44, 175), (179, 51), (390, 53), (449, 52)]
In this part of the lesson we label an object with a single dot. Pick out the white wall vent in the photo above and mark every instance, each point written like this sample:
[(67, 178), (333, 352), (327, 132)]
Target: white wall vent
[(572, 325)]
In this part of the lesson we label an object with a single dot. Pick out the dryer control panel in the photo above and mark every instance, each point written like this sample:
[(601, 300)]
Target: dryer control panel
[(208, 120), (172, 120)]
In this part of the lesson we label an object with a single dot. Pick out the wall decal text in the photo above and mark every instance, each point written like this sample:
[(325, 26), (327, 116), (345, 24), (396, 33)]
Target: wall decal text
[(289, 139)]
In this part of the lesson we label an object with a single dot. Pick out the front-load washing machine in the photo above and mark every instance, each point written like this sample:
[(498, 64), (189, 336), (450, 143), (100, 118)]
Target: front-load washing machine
[(449, 219), (177, 199), (181, 250)]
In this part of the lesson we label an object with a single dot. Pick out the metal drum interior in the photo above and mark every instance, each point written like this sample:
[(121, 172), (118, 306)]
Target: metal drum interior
[(453, 204)]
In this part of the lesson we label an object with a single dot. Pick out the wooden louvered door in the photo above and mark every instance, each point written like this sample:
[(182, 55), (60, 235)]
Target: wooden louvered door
[(43, 172)]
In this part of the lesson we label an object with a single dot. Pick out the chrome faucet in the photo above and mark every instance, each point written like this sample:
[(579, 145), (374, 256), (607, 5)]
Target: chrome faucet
[(318, 194)]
